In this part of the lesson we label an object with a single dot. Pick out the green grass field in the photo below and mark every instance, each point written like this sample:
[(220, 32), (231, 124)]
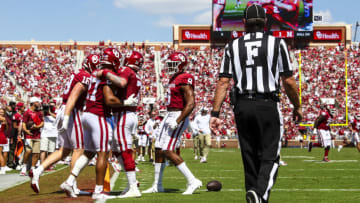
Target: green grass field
[(305, 179)]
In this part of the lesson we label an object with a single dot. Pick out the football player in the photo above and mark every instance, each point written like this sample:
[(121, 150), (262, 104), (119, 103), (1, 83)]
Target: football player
[(129, 84), (322, 127), (355, 127), (180, 103), (96, 125), (70, 137)]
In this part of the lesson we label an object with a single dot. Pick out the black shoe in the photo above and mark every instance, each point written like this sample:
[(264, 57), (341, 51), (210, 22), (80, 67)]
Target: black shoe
[(252, 197), (310, 146)]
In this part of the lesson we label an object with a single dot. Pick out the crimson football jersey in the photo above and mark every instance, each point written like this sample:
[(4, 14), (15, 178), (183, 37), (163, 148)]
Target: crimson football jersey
[(355, 124), (95, 102), (83, 77), (17, 117), (133, 87), (325, 124), (174, 97), (219, 2)]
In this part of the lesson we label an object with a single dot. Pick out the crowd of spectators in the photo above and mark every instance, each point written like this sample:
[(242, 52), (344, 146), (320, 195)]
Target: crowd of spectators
[(44, 73)]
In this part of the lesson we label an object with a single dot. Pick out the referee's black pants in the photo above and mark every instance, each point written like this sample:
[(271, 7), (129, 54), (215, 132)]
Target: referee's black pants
[(259, 125)]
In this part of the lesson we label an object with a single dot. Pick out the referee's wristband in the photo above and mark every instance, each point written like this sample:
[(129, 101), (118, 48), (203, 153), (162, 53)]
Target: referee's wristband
[(215, 114)]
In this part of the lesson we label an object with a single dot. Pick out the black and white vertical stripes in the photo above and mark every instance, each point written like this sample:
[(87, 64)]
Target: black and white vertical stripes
[(255, 62)]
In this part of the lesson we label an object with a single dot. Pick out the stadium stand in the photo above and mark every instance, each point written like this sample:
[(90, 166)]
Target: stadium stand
[(44, 73)]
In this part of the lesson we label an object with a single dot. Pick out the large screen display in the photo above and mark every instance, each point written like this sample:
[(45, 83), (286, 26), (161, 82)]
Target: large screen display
[(282, 15)]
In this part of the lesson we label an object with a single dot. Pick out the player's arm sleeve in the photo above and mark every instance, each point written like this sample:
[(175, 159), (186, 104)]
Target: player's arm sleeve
[(226, 63), (284, 63)]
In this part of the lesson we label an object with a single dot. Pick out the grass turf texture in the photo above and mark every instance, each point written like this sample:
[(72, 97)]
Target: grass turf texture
[(305, 179)]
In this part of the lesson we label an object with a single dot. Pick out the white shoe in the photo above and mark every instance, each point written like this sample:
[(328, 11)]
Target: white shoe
[(142, 159), (194, 185), (116, 166), (102, 196), (154, 189), (68, 189), (23, 171), (133, 192), (339, 148), (34, 182), (196, 157), (2, 172), (138, 158), (18, 167), (282, 163), (203, 160), (8, 168)]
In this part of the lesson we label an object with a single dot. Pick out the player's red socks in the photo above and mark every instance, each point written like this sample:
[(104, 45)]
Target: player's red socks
[(129, 162)]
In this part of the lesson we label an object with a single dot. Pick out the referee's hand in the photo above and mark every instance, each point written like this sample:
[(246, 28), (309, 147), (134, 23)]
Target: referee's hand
[(215, 125)]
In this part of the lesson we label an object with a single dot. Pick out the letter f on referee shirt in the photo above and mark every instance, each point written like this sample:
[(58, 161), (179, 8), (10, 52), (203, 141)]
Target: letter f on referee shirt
[(252, 51)]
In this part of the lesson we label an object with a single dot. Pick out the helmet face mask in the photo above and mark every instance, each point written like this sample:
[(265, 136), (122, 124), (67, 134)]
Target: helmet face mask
[(172, 67), (175, 63)]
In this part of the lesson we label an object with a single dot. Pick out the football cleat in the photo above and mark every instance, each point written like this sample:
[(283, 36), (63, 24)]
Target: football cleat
[(194, 185), (132, 192), (326, 159), (34, 181), (68, 189), (203, 160), (154, 189), (102, 196)]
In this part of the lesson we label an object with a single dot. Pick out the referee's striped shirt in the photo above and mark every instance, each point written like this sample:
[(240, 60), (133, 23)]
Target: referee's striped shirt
[(255, 62)]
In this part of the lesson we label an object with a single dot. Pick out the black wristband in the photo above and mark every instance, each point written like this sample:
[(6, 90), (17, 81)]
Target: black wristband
[(215, 114)]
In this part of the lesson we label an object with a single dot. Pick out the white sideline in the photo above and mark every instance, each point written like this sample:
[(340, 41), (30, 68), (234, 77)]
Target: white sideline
[(27, 180)]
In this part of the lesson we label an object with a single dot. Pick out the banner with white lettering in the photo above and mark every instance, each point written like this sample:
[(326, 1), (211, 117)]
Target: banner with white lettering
[(196, 35)]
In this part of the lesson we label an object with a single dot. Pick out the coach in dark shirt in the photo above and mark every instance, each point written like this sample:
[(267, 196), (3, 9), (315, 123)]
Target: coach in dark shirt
[(256, 62)]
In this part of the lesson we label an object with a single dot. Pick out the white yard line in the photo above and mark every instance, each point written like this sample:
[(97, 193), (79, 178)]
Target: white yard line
[(295, 190)]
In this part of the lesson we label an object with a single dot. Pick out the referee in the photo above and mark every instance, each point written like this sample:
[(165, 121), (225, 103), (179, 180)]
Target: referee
[(256, 62)]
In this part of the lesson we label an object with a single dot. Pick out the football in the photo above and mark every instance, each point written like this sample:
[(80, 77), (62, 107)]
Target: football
[(213, 185), (29, 124)]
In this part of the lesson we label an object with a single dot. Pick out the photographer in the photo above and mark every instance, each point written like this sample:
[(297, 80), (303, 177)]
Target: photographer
[(49, 132), (32, 123)]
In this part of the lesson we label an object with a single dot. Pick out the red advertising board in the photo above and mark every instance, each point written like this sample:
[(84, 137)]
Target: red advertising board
[(327, 35), (284, 34), (196, 35), (237, 34)]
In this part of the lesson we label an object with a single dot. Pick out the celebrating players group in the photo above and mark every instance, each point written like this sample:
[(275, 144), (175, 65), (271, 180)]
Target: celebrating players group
[(108, 87)]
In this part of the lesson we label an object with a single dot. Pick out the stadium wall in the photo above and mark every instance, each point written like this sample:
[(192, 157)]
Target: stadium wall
[(195, 36), (324, 35)]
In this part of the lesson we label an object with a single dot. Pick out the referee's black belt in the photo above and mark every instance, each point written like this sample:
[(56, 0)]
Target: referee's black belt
[(259, 96)]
